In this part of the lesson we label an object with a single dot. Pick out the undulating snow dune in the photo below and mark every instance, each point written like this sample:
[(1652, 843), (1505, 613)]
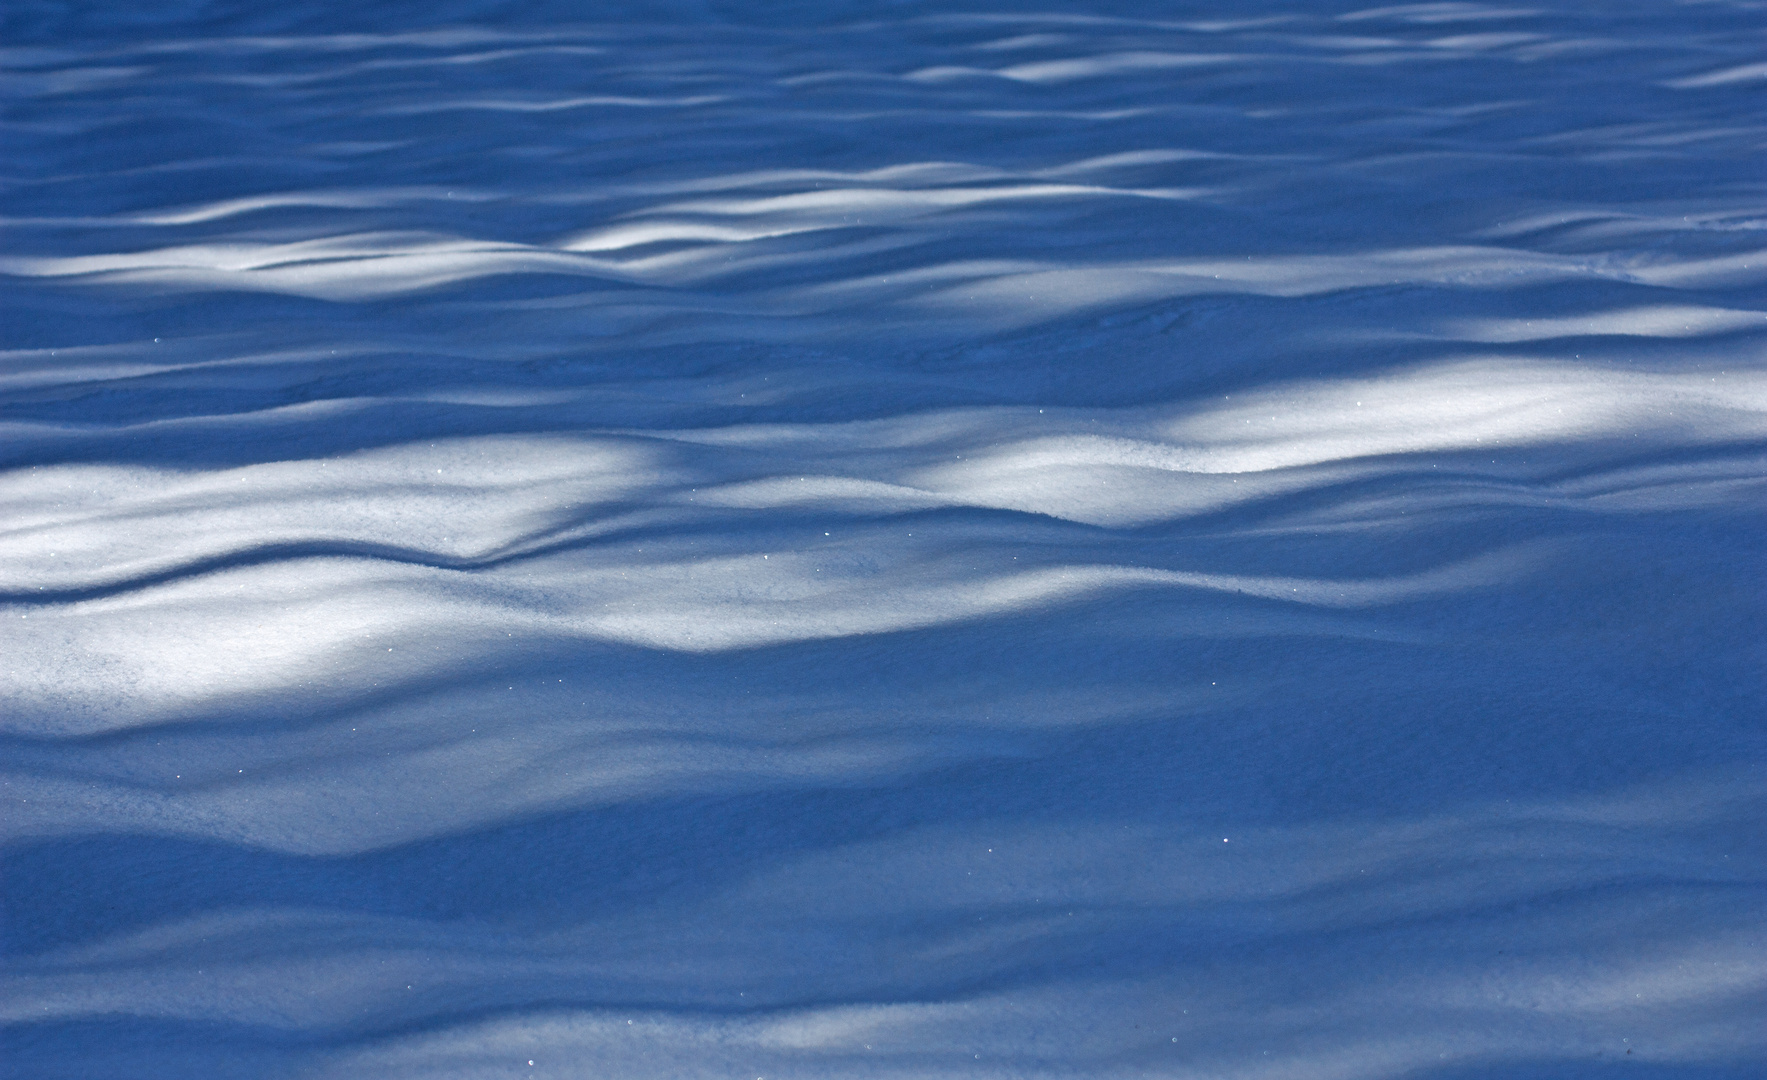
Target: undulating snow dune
[(666, 539)]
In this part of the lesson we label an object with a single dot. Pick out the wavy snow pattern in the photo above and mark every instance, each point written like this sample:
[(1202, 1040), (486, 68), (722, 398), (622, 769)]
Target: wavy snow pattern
[(882, 540)]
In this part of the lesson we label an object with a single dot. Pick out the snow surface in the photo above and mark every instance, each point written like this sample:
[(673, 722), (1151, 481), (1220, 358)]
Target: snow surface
[(884, 539)]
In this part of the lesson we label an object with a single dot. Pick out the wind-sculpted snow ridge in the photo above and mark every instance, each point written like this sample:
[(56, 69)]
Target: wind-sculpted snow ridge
[(879, 539)]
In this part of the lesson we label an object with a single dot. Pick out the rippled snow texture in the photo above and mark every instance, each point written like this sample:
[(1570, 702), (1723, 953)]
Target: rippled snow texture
[(883, 540)]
